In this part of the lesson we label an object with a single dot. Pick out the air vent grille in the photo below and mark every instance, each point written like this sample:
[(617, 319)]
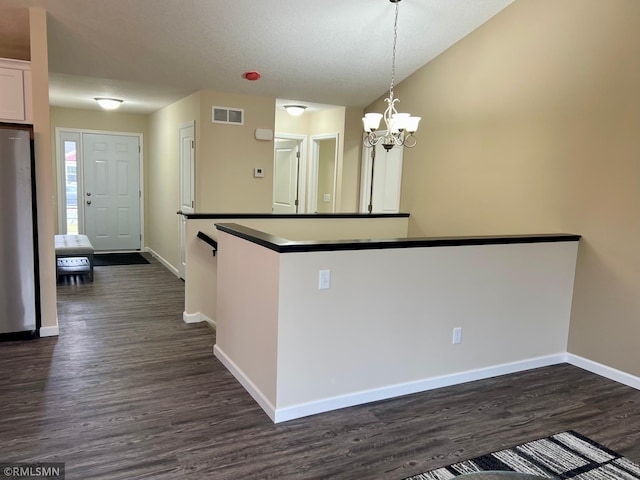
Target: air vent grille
[(234, 116)]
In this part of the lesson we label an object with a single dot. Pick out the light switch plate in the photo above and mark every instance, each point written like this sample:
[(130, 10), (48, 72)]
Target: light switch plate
[(324, 279)]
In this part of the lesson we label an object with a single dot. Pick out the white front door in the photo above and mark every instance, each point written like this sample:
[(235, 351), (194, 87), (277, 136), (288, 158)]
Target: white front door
[(285, 176), (187, 184), (387, 179), (111, 171)]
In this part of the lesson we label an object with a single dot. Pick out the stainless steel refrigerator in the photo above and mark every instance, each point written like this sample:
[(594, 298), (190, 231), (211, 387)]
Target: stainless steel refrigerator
[(19, 274)]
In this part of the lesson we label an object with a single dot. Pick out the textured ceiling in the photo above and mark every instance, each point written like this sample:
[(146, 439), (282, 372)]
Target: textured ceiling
[(152, 52)]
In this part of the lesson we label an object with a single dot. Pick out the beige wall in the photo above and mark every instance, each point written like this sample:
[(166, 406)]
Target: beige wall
[(250, 333), (162, 173), (349, 175), (365, 339), (44, 167), (201, 265), (347, 123), (326, 174), (73, 118), (228, 154), (531, 124)]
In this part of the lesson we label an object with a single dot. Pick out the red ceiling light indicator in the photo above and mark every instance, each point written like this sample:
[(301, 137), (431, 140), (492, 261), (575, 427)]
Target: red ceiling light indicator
[(253, 76)]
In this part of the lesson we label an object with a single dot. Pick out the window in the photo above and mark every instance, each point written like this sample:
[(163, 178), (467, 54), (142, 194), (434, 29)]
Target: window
[(71, 186)]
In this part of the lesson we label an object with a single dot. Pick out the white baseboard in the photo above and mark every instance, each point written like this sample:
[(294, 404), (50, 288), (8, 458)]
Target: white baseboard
[(167, 265), (358, 398), (198, 318), (191, 317), (49, 331), (248, 385), (383, 393), (604, 371)]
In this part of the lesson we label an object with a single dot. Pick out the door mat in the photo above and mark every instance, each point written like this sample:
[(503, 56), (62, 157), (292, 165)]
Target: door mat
[(563, 455), (108, 259)]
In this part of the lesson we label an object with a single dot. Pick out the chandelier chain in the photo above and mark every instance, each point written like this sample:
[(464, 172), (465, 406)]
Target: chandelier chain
[(393, 57)]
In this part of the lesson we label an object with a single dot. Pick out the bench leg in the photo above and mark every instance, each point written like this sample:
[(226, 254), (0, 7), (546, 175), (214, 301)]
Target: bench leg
[(90, 257)]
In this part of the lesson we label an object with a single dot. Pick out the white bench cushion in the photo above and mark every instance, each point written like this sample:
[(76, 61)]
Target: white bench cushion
[(69, 245)]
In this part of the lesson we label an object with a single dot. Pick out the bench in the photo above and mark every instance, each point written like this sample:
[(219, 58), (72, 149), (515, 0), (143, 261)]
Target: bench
[(74, 255)]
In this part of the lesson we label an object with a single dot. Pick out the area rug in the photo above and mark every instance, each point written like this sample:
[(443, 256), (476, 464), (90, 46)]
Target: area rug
[(107, 259), (564, 455)]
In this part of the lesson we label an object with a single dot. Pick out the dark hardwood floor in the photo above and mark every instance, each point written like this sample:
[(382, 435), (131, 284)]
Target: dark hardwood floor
[(129, 391)]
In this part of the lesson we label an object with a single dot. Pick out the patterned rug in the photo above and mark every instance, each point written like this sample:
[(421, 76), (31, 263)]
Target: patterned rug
[(564, 455)]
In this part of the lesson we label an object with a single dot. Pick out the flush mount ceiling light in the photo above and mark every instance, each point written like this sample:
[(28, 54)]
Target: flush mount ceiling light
[(400, 127), (109, 103), (295, 110)]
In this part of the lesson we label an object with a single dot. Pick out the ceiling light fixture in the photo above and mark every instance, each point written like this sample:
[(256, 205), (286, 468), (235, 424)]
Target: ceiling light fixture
[(400, 127), (295, 110), (109, 103)]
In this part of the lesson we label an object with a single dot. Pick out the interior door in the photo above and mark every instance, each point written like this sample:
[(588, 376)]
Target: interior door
[(285, 176), (187, 184), (111, 171), (385, 169)]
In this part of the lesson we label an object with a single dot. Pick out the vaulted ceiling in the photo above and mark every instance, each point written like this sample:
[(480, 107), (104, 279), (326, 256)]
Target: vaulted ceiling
[(153, 52)]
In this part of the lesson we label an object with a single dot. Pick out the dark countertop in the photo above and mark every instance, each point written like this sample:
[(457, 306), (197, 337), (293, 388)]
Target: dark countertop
[(207, 216), (283, 245)]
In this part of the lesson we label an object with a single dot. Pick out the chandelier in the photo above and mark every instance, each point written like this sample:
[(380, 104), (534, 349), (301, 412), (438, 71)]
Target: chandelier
[(400, 127)]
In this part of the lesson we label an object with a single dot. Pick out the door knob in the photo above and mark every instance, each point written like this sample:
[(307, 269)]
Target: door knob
[(88, 202), (88, 194)]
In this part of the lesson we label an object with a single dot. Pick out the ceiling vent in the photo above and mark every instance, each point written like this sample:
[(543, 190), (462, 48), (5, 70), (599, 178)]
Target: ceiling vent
[(234, 116)]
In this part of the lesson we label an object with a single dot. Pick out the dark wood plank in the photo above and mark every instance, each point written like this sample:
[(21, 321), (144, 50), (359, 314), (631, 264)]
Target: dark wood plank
[(130, 391)]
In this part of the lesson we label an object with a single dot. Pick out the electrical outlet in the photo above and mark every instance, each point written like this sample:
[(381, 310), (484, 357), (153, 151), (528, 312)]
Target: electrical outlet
[(457, 335)]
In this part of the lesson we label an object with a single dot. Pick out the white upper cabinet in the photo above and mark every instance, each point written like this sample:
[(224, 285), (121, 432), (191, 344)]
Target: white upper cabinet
[(15, 91)]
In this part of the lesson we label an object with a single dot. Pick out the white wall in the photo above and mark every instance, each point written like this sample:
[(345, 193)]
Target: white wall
[(384, 328), (201, 267), (389, 314)]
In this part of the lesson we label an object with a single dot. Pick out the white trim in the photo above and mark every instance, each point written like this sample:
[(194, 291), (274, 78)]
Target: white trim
[(80, 161), (198, 318), (166, 264), (49, 331), (349, 400), (302, 166), (249, 386), (604, 371), (314, 165), (191, 317)]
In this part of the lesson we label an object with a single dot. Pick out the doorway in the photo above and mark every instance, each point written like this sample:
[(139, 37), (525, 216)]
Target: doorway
[(289, 174), (323, 173), (99, 187), (381, 179), (187, 156)]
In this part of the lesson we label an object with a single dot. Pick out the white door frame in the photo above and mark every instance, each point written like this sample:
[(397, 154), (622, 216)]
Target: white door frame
[(182, 208), (80, 179), (314, 164), (302, 167), (365, 180), (62, 135)]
